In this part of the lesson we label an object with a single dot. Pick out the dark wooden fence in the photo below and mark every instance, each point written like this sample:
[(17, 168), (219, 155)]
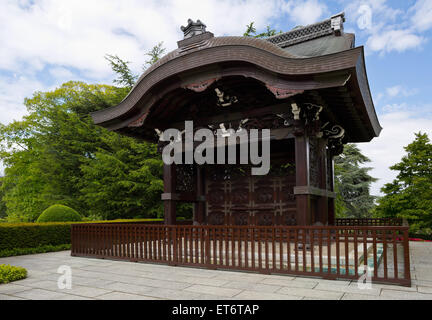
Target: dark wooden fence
[(370, 222), (329, 252)]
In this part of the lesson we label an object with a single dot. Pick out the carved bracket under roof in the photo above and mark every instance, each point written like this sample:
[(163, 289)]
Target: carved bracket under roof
[(280, 93), (200, 86), (306, 118), (139, 122), (335, 135)]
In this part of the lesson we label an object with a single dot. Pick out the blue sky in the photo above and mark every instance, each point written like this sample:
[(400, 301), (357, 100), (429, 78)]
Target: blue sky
[(44, 43)]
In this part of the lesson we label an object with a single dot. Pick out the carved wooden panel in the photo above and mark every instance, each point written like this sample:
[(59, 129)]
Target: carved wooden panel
[(314, 159), (236, 197), (185, 178)]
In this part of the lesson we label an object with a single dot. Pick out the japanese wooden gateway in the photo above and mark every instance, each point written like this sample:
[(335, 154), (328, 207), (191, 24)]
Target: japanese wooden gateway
[(309, 87)]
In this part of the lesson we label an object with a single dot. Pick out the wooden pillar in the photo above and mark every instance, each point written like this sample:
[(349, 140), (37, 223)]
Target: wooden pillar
[(169, 173), (322, 210), (303, 201), (199, 205), (331, 201)]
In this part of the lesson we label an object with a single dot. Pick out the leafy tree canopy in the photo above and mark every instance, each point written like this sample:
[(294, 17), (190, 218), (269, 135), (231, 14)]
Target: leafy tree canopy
[(154, 54), (252, 32), (409, 196), (56, 155), (125, 76), (352, 184)]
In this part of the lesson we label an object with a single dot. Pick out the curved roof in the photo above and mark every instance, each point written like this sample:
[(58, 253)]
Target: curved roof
[(260, 59)]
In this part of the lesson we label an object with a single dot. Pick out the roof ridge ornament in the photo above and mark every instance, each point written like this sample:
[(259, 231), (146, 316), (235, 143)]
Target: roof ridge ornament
[(337, 22), (195, 36), (193, 29), (333, 25)]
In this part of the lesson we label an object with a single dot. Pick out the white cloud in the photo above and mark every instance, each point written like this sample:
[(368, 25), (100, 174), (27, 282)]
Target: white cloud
[(305, 12), (382, 14), (400, 91), (422, 17), (390, 29), (61, 73), (394, 40), (79, 33), (13, 90), (386, 150), (67, 40)]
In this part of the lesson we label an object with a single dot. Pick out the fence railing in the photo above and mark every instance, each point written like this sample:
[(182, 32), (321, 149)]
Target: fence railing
[(369, 222), (327, 252)]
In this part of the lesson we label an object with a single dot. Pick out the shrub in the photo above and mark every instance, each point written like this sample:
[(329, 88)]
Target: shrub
[(10, 273), (29, 238), (59, 213), (40, 249), (31, 235)]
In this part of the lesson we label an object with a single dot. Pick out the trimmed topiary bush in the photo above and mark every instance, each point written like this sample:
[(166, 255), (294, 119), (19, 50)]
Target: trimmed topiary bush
[(10, 273), (59, 213)]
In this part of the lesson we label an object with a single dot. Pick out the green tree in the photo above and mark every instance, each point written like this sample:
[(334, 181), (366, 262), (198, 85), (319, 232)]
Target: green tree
[(409, 196), (50, 154), (123, 179), (2, 203), (125, 77), (56, 155), (352, 184), (154, 54), (252, 32)]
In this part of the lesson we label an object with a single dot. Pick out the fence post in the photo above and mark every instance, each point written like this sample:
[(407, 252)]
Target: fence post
[(207, 246), (174, 237), (73, 240), (407, 266)]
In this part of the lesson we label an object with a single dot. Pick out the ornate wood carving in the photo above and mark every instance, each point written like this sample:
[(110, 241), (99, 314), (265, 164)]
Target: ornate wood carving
[(335, 136), (314, 160), (244, 199), (139, 122), (200, 86), (280, 93), (185, 178)]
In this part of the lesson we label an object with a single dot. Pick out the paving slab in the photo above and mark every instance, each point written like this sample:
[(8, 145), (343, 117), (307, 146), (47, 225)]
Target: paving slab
[(41, 294), (372, 291), (223, 292), (129, 288), (108, 279), (124, 296), (11, 288), (405, 295), (358, 296), (256, 295), (311, 293), (290, 283), (251, 286), (79, 290), (7, 297), (413, 288), (176, 294), (422, 289)]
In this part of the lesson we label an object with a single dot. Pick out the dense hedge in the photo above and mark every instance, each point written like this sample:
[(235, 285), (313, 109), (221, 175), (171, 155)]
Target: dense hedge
[(31, 235), (11, 273), (40, 249), (59, 213), (421, 236), (20, 237)]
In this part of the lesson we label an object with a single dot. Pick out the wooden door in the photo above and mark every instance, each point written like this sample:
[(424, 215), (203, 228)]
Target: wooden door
[(234, 196)]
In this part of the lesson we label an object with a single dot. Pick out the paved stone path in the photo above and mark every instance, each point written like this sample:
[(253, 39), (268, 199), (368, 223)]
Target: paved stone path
[(106, 279)]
